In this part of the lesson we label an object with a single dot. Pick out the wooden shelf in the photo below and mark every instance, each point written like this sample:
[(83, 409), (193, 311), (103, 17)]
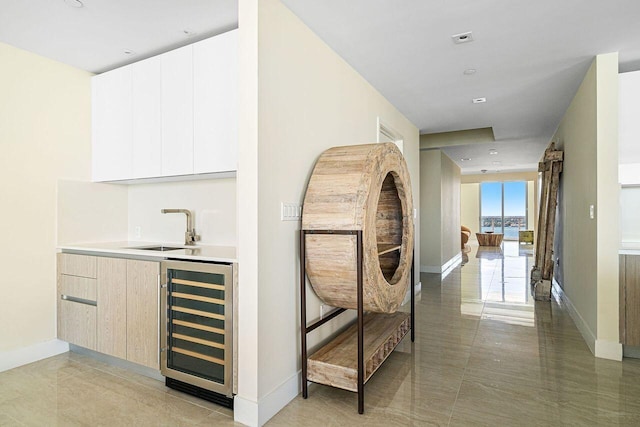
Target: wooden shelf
[(336, 364), (385, 248)]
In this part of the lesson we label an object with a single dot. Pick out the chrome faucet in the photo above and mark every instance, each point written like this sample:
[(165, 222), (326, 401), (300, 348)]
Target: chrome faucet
[(190, 236)]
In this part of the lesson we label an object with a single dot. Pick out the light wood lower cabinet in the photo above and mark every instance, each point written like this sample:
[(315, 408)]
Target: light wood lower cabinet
[(116, 312), (142, 313), (630, 300), (77, 323), (77, 290), (112, 307)]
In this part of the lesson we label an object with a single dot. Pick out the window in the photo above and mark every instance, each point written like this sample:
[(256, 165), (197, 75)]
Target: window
[(503, 208)]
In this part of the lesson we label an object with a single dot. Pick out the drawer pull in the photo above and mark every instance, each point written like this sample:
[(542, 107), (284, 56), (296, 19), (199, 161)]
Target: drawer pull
[(78, 300)]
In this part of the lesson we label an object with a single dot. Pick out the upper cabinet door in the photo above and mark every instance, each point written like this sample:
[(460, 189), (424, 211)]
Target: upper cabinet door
[(177, 112), (215, 71), (147, 118), (112, 125)]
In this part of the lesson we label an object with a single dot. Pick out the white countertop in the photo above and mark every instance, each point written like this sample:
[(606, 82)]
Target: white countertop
[(194, 253), (629, 248)]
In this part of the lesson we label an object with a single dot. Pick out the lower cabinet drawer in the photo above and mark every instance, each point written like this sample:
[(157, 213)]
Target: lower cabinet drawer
[(78, 287), (77, 323)]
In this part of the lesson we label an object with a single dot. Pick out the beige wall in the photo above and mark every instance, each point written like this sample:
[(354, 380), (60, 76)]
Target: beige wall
[(587, 249), (309, 99), (45, 136), (439, 210), (450, 213), (91, 212), (470, 207), (430, 209)]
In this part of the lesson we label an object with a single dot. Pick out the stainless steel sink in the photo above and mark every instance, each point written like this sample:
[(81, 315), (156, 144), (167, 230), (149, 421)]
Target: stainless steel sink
[(157, 248)]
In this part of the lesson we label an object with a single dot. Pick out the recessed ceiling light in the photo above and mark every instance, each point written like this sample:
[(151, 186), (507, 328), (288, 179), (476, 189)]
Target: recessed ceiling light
[(479, 100), (74, 3), (462, 37), (496, 163), (128, 52), (465, 159), (469, 71), (493, 151)]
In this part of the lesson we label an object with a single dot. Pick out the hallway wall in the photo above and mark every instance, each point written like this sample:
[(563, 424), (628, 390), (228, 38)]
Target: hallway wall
[(439, 211), (586, 249)]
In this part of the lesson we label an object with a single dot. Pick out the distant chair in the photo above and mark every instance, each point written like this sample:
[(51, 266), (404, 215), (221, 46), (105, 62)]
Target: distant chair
[(465, 233)]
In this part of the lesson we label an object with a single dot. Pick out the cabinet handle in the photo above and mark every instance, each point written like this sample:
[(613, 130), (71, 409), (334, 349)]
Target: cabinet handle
[(78, 300)]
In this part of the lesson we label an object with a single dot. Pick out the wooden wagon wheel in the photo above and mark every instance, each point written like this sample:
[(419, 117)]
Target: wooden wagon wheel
[(357, 187)]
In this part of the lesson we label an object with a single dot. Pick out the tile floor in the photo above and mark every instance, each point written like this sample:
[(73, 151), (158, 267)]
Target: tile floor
[(484, 355)]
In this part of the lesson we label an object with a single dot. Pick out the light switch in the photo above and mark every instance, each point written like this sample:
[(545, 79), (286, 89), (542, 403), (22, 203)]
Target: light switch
[(290, 212), (592, 212)]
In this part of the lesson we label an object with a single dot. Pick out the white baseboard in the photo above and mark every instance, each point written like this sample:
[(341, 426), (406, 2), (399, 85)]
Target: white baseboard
[(587, 334), (600, 348), (278, 398), (608, 350), (245, 411), (444, 268), (257, 414), (23, 356), (451, 264)]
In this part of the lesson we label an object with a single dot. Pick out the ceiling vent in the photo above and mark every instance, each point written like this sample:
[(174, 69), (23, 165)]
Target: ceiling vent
[(479, 100), (462, 38)]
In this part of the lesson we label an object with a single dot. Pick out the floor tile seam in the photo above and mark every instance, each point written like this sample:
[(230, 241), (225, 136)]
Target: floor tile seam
[(464, 372)]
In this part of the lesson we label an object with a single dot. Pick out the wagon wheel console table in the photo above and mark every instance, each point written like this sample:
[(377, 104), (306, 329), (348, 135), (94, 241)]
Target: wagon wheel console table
[(356, 249), (351, 358)]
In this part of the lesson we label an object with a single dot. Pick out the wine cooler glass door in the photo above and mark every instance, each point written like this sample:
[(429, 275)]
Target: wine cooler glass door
[(198, 317)]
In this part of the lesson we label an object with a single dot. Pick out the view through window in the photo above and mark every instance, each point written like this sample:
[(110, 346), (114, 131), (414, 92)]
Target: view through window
[(503, 208)]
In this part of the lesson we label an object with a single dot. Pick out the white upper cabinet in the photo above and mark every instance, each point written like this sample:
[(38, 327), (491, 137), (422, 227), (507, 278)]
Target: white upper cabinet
[(177, 111), (147, 118), (215, 120), (175, 114), (112, 124)]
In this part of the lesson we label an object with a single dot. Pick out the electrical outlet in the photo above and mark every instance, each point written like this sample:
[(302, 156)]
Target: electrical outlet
[(137, 231), (290, 211)]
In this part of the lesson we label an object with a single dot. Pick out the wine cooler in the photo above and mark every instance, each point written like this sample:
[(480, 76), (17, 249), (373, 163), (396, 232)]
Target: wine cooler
[(196, 329)]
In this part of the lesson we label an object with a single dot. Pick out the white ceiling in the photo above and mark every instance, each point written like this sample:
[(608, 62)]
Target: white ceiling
[(530, 56), (95, 36)]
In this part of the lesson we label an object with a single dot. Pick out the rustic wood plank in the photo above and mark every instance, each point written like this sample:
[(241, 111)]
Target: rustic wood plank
[(542, 271), (384, 249), (336, 363), (547, 265)]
